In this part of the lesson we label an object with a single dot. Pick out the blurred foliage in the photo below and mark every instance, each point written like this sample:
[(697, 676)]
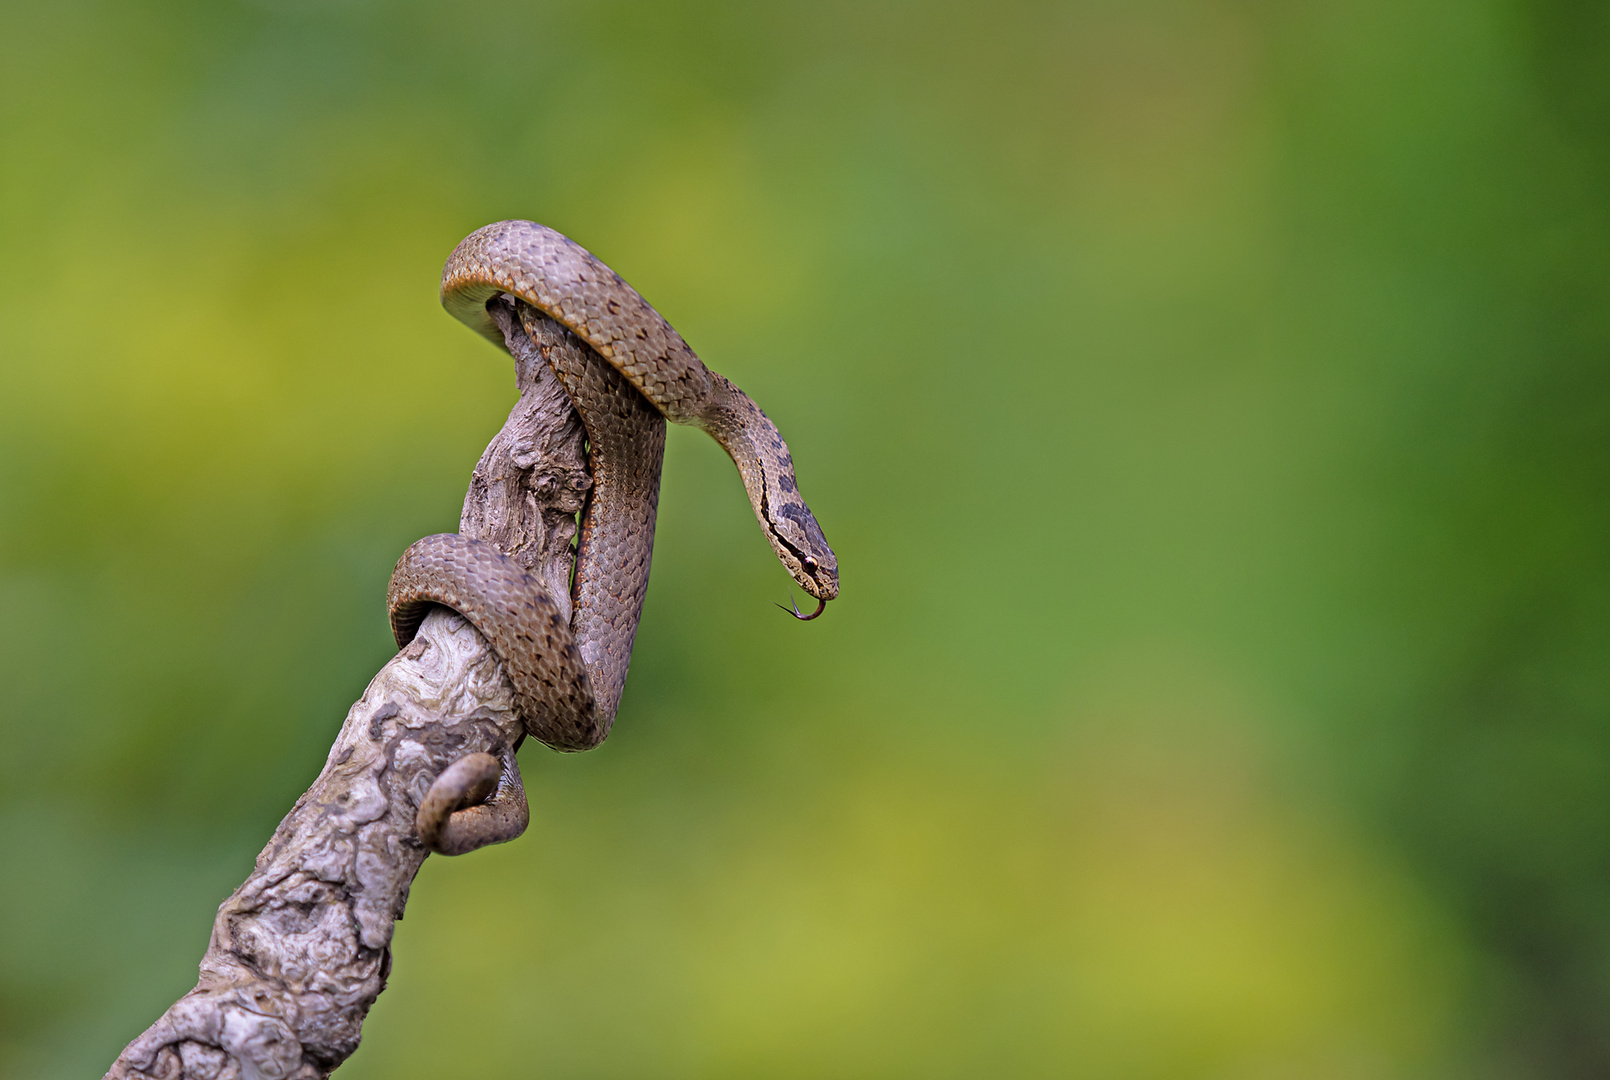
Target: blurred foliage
[(1208, 402)]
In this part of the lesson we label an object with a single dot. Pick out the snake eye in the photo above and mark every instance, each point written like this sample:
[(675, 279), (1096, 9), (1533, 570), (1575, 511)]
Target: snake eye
[(810, 563)]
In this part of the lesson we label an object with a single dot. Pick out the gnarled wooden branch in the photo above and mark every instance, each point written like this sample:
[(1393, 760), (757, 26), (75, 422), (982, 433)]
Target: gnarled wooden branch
[(301, 950)]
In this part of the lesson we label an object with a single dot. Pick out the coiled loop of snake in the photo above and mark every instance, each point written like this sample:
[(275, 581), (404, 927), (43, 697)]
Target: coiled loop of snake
[(628, 374)]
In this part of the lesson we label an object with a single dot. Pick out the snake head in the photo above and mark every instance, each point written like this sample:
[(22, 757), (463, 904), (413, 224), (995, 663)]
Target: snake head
[(799, 543)]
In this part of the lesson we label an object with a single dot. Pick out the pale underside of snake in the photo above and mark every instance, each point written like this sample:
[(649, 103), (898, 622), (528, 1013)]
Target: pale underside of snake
[(626, 372)]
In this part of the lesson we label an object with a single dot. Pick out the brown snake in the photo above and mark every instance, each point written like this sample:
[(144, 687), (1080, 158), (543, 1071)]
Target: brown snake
[(629, 373)]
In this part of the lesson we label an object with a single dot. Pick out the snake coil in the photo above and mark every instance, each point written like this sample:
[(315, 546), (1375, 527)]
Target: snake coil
[(632, 373)]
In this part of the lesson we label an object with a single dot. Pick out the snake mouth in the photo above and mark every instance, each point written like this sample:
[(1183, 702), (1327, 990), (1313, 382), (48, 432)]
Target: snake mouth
[(825, 578)]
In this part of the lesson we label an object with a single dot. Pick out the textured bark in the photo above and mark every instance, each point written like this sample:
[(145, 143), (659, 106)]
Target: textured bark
[(301, 950)]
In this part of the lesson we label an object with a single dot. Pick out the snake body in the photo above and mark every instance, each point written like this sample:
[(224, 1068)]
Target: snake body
[(627, 373)]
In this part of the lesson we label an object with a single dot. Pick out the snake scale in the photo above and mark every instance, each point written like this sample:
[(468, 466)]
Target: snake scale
[(633, 373)]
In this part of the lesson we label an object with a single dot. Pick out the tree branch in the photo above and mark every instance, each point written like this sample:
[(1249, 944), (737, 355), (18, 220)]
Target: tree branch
[(302, 949)]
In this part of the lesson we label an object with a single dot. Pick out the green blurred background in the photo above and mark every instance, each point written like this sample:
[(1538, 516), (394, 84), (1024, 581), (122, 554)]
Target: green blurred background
[(1209, 403)]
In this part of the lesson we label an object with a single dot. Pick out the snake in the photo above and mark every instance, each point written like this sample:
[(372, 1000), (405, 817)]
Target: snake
[(628, 373)]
